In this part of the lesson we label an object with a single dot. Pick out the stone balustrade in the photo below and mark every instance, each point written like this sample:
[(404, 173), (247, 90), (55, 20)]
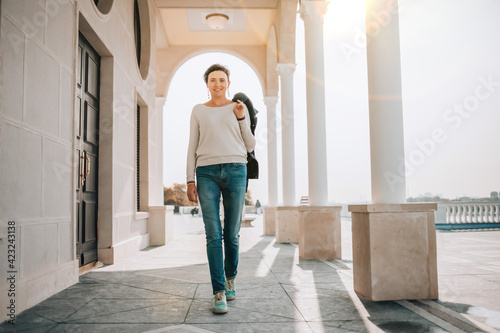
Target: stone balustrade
[(473, 213)]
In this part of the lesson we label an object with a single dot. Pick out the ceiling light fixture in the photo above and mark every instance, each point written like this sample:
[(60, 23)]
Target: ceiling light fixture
[(217, 21)]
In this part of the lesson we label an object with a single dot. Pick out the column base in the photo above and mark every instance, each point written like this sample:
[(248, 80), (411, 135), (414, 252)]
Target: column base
[(394, 251), (270, 221), (160, 224), (319, 232), (287, 224), (123, 250)]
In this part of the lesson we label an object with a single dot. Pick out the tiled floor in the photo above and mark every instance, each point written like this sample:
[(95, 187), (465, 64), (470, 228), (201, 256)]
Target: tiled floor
[(167, 289)]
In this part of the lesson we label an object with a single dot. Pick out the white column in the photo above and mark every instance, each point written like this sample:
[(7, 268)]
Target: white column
[(286, 71), (312, 13), (386, 110), (160, 224), (156, 153), (272, 150)]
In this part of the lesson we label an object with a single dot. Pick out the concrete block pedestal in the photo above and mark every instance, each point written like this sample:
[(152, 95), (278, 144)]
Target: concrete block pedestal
[(287, 224), (394, 251), (270, 221), (319, 232), (160, 224)]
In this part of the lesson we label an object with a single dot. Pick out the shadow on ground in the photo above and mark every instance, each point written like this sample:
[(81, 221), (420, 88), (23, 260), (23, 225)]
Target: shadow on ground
[(167, 289)]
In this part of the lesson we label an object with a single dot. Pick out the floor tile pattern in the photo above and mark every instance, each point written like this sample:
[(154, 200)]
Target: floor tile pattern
[(167, 289)]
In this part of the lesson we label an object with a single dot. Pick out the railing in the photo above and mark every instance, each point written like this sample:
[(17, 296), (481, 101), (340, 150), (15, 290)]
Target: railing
[(473, 213), (468, 215)]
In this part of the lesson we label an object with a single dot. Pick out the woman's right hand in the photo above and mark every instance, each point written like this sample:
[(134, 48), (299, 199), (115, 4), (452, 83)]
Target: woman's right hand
[(192, 193)]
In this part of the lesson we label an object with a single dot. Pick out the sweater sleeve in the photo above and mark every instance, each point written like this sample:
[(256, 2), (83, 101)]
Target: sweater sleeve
[(194, 134), (246, 133)]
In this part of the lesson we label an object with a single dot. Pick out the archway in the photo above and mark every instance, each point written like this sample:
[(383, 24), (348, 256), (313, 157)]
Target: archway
[(186, 89)]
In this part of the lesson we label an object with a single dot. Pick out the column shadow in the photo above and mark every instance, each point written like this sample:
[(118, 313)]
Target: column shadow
[(169, 285)]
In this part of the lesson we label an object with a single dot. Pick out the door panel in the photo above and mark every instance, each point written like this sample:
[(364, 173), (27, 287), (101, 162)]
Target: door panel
[(79, 64), (89, 230), (91, 179), (92, 84), (78, 222), (87, 135), (91, 125), (79, 122)]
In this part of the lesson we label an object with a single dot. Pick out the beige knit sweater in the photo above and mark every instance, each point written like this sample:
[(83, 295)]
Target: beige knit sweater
[(217, 137)]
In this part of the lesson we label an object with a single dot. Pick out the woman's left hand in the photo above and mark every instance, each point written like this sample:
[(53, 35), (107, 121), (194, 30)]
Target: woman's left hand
[(239, 110)]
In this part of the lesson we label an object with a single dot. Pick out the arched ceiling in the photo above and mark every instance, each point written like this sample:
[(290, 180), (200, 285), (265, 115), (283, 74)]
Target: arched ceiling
[(183, 22)]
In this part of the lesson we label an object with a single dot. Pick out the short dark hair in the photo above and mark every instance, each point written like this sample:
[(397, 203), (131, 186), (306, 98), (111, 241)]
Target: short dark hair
[(213, 68)]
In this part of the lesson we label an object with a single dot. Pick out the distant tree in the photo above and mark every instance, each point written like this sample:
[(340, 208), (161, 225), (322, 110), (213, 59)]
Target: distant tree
[(424, 198), (176, 196), (248, 199)]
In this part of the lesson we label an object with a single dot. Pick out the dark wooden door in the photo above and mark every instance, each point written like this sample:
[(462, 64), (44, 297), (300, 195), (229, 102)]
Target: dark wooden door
[(87, 138)]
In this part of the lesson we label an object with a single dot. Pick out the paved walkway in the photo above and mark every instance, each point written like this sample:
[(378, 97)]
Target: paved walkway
[(166, 289)]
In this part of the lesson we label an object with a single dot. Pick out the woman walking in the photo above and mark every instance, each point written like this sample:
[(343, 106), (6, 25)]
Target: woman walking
[(220, 138)]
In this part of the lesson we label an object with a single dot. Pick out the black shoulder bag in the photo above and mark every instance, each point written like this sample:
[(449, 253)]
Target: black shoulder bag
[(252, 163)]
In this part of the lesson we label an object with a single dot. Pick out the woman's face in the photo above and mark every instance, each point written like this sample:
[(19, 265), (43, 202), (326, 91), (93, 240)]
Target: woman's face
[(218, 83)]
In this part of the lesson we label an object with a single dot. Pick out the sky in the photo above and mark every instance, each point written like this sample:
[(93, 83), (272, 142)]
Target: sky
[(451, 100)]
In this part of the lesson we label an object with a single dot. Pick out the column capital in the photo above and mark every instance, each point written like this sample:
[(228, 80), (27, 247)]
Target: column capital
[(313, 10), (161, 100), (285, 69), (270, 101)]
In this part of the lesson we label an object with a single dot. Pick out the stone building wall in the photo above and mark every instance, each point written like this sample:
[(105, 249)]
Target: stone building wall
[(38, 173)]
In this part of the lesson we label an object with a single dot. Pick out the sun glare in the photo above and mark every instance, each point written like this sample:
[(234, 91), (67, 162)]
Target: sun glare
[(342, 15)]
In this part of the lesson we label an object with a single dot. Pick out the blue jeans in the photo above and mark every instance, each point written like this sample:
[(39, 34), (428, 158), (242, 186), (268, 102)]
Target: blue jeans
[(230, 180)]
